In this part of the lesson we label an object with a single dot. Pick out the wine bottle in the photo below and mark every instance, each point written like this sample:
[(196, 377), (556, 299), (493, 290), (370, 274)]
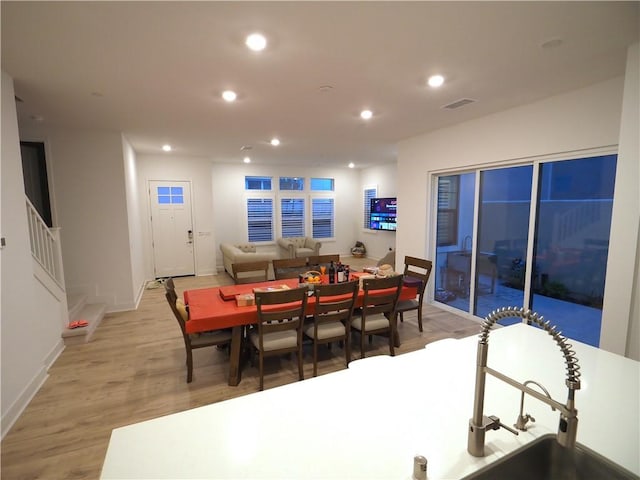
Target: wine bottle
[(332, 273), (340, 273)]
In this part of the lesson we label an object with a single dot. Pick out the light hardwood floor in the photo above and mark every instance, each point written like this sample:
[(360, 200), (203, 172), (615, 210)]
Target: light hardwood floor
[(134, 370)]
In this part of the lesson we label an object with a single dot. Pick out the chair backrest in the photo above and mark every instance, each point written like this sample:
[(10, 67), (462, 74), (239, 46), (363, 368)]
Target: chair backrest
[(281, 310), (323, 259), (250, 271), (335, 302), (381, 295), (181, 316), (418, 268), (289, 267)]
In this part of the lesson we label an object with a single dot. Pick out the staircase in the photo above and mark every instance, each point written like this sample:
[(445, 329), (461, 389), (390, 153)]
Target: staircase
[(79, 309)]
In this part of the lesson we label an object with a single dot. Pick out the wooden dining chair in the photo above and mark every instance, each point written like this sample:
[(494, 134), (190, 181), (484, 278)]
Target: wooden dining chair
[(416, 274), (377, 316), (193, 340), (289, 267), (250, 272), (280, 319), (168, 283), (332, 317), (323, 259)]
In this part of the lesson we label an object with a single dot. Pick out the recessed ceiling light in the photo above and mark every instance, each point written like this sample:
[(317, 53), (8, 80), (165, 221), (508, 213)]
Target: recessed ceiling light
[(366, 114), (351, 165), (435, 81), (166, 148), (246, 160), (275, 142), (256, 42), (229, 95)]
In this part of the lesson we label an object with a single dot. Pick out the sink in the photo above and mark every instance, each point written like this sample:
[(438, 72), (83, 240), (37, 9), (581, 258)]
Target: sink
[(544, 458)]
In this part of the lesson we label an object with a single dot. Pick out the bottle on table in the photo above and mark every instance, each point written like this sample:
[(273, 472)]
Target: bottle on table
[(346, 273), (340, 271), (332, 272)]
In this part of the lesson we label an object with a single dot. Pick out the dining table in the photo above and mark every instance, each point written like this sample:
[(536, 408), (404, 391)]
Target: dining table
[(218, 308)]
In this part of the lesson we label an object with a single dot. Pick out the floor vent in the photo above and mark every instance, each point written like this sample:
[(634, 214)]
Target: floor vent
[(459, 103)]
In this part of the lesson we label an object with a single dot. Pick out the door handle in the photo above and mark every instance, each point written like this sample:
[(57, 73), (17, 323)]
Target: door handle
[(190, 236)]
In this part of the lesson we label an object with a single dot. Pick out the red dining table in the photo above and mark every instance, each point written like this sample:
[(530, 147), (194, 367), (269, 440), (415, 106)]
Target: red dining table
[(216, 308)]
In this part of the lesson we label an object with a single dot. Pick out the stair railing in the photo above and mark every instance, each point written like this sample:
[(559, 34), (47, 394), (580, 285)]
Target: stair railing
[(45, 244)]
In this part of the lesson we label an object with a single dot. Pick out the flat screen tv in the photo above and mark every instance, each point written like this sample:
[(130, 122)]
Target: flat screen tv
[(383, 214)]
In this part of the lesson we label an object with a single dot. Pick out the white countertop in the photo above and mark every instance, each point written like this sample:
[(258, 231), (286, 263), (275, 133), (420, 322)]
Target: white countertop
[(368, 422)]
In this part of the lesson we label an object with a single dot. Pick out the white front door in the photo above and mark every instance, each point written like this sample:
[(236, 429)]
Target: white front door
[(172, 228)]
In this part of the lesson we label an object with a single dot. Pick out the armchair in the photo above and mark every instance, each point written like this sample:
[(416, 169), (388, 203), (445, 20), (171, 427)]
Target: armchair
[(298, 247)]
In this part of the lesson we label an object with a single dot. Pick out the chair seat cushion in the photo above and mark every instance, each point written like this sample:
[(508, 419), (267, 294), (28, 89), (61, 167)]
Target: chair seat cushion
[(410, 281), (374, 322), (405, 305), (326, 330), (275, 340), (210, 338), (304, 252)]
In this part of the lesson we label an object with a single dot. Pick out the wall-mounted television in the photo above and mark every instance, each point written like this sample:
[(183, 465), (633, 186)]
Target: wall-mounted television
[(383, 215)]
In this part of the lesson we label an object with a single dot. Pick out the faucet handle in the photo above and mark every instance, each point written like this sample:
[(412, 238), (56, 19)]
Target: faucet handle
[(495, 424), (521, 422)]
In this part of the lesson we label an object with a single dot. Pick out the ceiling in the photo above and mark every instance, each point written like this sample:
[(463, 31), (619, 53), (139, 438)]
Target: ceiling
[(155, 70)]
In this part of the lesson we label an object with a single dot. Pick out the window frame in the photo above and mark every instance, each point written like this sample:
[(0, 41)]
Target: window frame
[(366, 206), (325, 196), (250, 195)]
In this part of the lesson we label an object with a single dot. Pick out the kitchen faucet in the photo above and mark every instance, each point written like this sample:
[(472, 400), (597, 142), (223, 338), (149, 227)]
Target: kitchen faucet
[(479, 423)]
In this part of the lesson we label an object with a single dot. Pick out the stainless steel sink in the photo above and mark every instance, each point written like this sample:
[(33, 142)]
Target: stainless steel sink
[(545, 459)]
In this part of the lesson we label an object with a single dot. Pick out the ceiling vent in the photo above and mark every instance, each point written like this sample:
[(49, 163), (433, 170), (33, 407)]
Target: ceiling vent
[(459, 103)]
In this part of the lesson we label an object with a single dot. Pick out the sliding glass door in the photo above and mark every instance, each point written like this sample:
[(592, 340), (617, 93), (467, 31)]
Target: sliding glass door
[(503, 229), (493, 251)]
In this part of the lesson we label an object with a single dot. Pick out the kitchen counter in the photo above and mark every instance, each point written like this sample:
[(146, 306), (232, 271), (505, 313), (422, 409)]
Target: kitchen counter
[(369, 420)]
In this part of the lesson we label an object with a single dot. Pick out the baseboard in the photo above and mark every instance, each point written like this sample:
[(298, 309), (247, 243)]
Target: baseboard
[(15, 410)]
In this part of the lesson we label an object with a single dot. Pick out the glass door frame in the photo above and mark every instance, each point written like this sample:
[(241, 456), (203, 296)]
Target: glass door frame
[(536, 163)]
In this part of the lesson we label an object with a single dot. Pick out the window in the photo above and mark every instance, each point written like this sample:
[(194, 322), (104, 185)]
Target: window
[(292, 217), (257, 183), (322, 217), (170, 195), (369, 193), (260, 219), (448, 193), (322, 184), (292, 183)]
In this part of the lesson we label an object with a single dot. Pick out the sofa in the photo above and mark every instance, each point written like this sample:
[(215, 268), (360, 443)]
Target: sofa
[(298, 247), (242, 253)]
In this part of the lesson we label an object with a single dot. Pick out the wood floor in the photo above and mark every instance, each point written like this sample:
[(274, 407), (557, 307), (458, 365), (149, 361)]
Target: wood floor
[(134, 370)]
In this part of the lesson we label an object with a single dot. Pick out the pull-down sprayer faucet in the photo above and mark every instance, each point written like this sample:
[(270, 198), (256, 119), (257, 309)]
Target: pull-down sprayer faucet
[(479, 423)]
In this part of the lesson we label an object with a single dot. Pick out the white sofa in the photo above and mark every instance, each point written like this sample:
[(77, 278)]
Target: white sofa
[(243, 253), (299, 247)]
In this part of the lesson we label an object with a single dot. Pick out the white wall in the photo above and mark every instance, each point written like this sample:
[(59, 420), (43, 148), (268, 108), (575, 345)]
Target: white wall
[(30, 317), (229, 209), (92, 210), (582, 119), (197, 171), (135, 219), (384, 177), (622, 276)]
